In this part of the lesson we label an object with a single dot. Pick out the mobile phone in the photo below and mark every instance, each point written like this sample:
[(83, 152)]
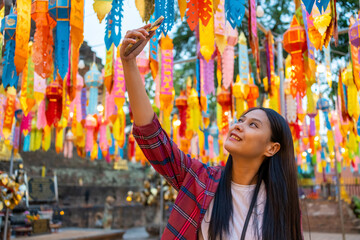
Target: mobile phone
[(131, 47)]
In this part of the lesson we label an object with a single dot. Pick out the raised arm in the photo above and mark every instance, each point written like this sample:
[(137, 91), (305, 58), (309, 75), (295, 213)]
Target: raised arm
[(139, 101)]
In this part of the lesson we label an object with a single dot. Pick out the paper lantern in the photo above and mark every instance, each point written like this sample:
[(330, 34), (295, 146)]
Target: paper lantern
[(59, 10), (295, 44), (54, 103), (181, 104), (252, 96), (90, 124), (224, 99), (93, 80)]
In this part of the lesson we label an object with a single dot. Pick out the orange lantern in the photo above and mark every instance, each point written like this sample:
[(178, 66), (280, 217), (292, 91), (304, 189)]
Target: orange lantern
[(295, 44), (181, 104), (224, 99), (253, 95)]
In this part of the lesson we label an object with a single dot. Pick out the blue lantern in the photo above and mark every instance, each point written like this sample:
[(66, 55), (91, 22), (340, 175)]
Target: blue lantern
[(9, 75), (93, 80), (59, 10)]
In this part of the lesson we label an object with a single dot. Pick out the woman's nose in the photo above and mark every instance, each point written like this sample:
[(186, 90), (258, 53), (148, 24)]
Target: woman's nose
[(239, 126)]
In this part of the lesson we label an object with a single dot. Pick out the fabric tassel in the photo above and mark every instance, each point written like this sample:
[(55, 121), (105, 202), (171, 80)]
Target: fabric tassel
[(220, 27), (9, 112), (228, 57), (154, 66)]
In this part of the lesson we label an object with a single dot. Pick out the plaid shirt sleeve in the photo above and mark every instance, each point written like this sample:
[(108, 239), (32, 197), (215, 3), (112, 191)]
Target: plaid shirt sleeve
[(163, 153)]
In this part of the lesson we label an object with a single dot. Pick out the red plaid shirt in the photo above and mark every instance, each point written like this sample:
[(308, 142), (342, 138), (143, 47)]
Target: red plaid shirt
[(195, 182)]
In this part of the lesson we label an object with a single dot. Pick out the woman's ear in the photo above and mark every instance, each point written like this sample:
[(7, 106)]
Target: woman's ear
[(272, 149)]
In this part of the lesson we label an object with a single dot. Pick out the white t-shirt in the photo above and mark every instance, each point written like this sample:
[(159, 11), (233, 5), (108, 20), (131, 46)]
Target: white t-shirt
[(242, 195)]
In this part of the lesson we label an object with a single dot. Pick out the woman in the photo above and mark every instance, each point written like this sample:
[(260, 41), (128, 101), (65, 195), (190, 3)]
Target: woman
[(254, 197)]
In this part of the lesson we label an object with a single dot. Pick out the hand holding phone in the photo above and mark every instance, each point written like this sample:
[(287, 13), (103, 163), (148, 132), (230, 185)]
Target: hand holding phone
[(131, 47)]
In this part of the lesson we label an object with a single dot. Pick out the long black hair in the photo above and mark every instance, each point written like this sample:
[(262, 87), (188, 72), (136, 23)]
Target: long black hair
[(281, 218)]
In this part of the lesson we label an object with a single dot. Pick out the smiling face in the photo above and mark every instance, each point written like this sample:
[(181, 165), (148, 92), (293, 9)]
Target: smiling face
[(249, 138)]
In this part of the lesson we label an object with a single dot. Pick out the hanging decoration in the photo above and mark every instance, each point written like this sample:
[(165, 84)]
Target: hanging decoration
[(354, 39), (146, 8), (23, 34), (27, 99), (220, 28), (167, 88), (295, 44), (253, 39), (39, 88), (90, 124), (2, 13), (239, 97), (269, 46), (77, 38), (192, 14), (54, 95), (9, 74), (181, 104), (9, 112), (93, 80), (166, 9), (310, 66), (113, 24), (119, 98), (228, 57), (243, 59), (43, 38), (153, 43), (60, 12), (208, 74), (206, 29), (101, 8), (109, 69), (235, 11), (182, 8)]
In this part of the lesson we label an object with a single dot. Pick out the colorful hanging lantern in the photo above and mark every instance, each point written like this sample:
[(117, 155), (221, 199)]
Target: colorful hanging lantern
[(9, 112), (181, 104), (295, 44), (206, 29), (9, 75), (23, 34), (239, 97), (77, 38), (118, 93), (167, 88), (93, 80), (43, 38), (90, 124), (219, 22), (228, 56), (59, 10), (113, 24), (54, 94), (224, 99)]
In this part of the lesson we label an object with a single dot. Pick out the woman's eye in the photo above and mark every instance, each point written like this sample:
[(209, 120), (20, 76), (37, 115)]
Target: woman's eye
[(253, 124)]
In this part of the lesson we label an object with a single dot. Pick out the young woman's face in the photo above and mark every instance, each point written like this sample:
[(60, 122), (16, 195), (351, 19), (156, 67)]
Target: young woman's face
[(250, 136)]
